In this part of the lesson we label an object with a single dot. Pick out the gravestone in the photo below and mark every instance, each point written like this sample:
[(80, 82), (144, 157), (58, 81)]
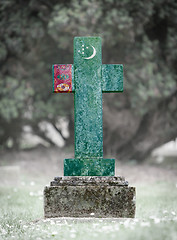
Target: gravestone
[(88, 187)]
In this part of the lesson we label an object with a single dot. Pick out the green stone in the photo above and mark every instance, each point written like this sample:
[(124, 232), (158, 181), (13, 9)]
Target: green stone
[(89, 80), (112, 78), (88, 99), (89, 167)]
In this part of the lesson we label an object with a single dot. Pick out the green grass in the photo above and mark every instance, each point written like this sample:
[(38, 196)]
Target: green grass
[(21, 216)]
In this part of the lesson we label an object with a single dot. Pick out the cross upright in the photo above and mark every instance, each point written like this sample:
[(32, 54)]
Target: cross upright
[(88, 78)]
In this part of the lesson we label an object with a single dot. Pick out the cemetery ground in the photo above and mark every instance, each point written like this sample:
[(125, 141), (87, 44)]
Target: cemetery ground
[(24, 174)]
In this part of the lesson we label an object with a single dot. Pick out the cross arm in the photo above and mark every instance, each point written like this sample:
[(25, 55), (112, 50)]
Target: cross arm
[(112, 78), (63, 78)]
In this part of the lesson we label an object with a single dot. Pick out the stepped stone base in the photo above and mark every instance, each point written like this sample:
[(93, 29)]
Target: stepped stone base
[(106, 197)]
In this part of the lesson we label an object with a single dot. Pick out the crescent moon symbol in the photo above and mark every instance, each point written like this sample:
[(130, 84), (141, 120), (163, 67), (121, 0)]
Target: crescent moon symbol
[(93, 55)]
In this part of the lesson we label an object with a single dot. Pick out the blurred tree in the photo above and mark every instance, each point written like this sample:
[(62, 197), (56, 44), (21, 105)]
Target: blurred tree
[(140, 34)]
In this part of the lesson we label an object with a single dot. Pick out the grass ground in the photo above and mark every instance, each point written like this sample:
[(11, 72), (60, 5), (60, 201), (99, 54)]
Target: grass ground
[(21, 202)]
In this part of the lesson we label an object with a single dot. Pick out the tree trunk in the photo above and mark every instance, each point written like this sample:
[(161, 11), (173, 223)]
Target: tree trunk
[(156, 127)]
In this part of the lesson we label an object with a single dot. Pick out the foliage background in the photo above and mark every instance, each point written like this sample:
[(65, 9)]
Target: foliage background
[(140, 34)]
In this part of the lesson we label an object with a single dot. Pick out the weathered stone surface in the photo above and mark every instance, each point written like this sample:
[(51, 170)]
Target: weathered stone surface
[(88, 78), (89, 167), (88, 98), (89, 197), (112, 78), (88, 180)]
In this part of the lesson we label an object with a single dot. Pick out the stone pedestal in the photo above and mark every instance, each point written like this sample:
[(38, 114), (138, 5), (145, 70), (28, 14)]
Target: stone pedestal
[(103, 197)]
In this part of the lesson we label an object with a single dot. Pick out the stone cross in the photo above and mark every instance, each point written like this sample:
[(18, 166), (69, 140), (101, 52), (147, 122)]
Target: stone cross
[(88, 78)]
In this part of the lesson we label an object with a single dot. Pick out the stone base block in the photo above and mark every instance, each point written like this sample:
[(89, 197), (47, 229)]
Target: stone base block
[(89, 167), (103, 197)]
